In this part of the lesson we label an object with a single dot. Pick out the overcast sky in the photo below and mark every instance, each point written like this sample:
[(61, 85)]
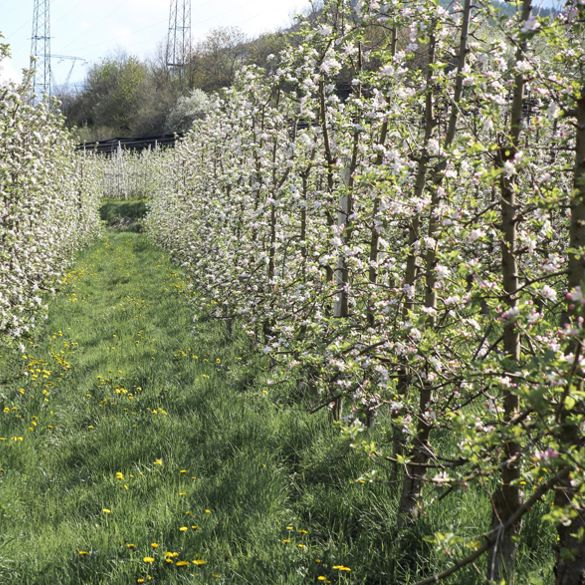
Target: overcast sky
[(92, 29)]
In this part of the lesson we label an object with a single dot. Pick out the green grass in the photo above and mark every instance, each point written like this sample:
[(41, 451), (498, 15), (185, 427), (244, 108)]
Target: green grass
[(143, 385), (128, 406)]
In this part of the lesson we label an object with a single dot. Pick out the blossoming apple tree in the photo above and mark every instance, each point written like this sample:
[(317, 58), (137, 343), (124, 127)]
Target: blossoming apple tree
[(48, 206), (393, 211)]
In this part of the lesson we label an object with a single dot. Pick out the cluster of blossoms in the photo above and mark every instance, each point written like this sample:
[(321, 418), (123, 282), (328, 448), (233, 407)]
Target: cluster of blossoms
[(130, 174), (394, 212), (49, 202)]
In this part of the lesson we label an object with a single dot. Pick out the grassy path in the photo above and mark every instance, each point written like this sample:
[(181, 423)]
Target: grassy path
[(137, 446), (128, 451)]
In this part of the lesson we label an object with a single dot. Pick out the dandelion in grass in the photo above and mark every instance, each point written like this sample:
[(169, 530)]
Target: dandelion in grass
[(158, 461), (154, 544), (131, 546), (119, 476), (199, 562), (148, 560), (83, 553), (341, 568), (182, 564), (183, 529), (106, 511)]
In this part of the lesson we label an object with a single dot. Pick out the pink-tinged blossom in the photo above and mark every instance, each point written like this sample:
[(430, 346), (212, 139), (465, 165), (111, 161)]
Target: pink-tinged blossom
[(549, 293), (530, 25), (546, 455), (511, 314)]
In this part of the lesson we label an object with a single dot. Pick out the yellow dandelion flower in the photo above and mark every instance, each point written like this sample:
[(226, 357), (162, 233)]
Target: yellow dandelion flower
[(131, 546), (302, 546), (119, 476), (323, 579), (182, 494), (207, 511), (140, 580), (154, 544), (183, 529), (182, 564), (194, 527), (148, 560), (183, 471), (199, 562), (83, 553), (285, 541), (341, 568), (106, 511), (158, 461)]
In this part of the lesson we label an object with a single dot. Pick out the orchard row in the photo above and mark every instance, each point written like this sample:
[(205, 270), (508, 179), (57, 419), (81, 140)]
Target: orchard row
[(394, 213), (49, 202)]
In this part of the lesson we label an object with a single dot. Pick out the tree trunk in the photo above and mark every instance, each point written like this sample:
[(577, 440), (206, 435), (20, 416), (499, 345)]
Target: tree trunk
[(421, 452), (344, 225), (570, 563), (329, 158), (374, 232), (507, 498), (404, 375)]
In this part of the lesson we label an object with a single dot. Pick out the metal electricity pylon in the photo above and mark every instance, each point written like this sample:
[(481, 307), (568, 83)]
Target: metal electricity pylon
[(179, 38), (55, 87), (41, 49)]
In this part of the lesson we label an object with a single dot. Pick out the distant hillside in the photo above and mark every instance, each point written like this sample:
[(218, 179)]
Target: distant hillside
[(126, 97)]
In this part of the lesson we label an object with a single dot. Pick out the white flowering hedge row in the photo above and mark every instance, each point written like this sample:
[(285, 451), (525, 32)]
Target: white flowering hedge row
[(416, 249), (129, 174), (48, 207)]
